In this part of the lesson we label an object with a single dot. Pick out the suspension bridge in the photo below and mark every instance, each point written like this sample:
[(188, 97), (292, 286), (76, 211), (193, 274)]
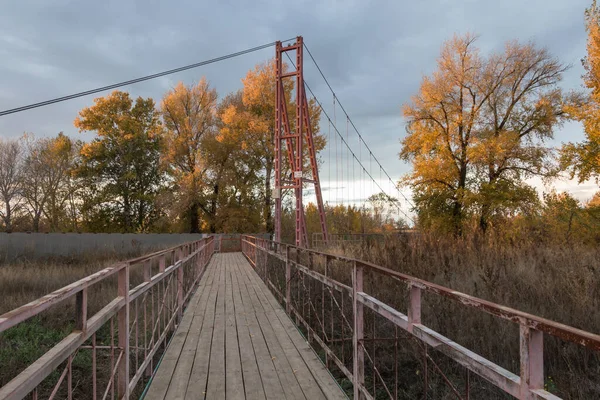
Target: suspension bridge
[(249, 318)]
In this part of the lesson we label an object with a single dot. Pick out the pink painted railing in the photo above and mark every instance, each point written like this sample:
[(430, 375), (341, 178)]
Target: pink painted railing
[(327, 296), (125, 337)]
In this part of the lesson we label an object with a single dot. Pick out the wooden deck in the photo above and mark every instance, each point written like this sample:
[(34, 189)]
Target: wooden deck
[(236, 342)]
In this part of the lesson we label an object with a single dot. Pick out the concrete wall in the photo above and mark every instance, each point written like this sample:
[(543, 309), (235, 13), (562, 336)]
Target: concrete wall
[(66, 245)]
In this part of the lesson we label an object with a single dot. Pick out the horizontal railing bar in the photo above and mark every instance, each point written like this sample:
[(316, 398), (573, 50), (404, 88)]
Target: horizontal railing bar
[(162, 252), (497, 375), (500, 377), (35, 307), (340, 287)]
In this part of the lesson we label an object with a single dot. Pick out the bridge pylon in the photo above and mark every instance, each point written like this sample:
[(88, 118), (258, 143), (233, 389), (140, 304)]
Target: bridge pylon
[(302, 171)]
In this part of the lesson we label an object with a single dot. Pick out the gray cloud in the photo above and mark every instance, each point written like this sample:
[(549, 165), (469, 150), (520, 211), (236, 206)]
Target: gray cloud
[(373, 52)]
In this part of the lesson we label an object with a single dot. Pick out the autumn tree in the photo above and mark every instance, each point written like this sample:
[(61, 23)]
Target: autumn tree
[(11, 167), (583, 159), (189, 115), (120, 167), (47, 182), (233, 172), (477, 129), (61, 155)]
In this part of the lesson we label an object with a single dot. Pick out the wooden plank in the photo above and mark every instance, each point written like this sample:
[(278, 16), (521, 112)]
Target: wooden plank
[(162, 380), (216, 372), (268, 373), (253, 387), (234, 384), (285, 372), (183, 369), (199, 377), (319, 372), (301, 371)]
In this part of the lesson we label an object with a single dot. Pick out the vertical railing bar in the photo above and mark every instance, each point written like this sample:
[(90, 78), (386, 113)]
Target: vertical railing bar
[(112, 357), (137, 333), (123, 334), (70, 377), (288, 281), (396, 361), (94, 374), (180, 277)]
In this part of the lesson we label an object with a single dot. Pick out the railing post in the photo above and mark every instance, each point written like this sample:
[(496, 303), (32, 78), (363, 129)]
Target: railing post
[(180, 254), (531, 343), (162, 261), (414, 307), (358, 331), (288, 281), (123, 324), (81, 310)]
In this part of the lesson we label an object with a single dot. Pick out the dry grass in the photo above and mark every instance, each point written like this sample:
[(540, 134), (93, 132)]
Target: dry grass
[(24, 281)]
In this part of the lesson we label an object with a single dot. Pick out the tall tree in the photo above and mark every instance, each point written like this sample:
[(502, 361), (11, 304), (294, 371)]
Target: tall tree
[(583, 159), (477, 128), (121, 166), (11, 166), (235, 167), (60, 155), (33, 179), (189, 114)]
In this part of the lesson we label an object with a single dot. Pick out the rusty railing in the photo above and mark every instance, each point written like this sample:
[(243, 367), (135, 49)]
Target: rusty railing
[(117, 347), (329, 295)]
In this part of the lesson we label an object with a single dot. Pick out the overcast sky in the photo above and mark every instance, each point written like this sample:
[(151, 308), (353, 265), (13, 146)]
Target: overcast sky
[(373, 52)]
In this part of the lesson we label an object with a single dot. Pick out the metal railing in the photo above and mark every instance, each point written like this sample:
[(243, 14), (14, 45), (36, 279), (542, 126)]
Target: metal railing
[(328, 297), (125, 338)]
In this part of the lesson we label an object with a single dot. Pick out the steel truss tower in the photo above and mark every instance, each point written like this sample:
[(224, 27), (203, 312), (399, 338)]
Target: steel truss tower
[(293, 143)]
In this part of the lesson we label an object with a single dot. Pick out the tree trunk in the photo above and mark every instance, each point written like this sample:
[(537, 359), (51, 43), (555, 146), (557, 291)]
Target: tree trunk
[(483, 218), (194, 214), (213, 209), (457, 211), (36, 222), (7, 218)]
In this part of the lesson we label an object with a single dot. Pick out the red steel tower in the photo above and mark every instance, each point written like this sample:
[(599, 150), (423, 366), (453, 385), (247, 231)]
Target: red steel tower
[(293, 144)]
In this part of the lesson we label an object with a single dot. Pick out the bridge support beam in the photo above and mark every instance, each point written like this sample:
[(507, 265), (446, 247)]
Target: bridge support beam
[(294, 146)]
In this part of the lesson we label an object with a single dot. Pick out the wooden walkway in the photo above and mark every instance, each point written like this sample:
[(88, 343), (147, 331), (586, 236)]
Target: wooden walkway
[(236, 342)]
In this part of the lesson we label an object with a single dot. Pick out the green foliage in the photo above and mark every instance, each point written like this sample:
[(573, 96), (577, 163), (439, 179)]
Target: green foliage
[(119, 169)]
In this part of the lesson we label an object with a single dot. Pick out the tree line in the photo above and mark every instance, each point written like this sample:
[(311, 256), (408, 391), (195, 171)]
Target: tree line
[(481, 125), (194, 162)]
